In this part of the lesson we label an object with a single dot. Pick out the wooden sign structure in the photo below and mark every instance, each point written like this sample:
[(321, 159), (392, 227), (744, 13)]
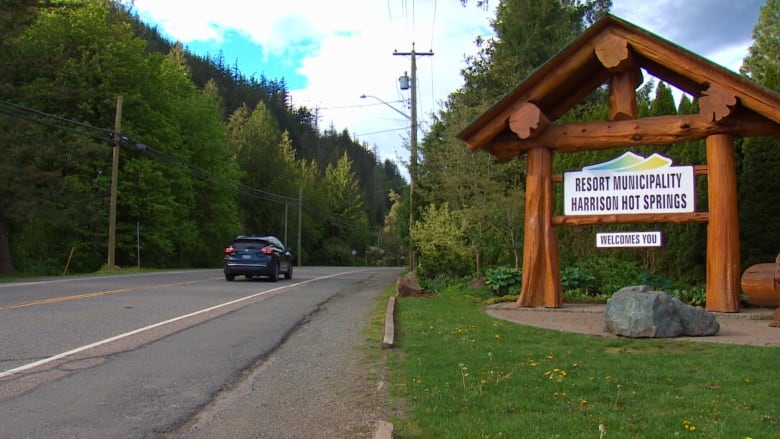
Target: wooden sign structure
[(614, 52)]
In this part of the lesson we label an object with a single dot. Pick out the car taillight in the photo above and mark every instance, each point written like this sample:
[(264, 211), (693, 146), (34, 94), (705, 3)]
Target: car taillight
[(267, 250), (229, 250)]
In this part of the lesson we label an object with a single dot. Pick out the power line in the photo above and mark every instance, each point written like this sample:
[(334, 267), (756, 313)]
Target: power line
[(49, 120), (383, 131), (108, 136)]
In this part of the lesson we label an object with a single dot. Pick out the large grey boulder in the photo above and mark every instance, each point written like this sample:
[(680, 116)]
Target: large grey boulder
[(638, 312)]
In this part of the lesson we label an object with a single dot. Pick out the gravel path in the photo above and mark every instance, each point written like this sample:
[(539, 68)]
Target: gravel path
[(323, 382)]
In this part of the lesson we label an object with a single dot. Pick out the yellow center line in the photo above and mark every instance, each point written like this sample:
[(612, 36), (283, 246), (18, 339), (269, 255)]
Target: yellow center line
[(65, 298), (91, 295)]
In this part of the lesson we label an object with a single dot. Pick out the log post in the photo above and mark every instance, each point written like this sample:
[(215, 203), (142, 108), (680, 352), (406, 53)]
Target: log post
[(614, 53), (622, 95), (541, 267), (723, 274)]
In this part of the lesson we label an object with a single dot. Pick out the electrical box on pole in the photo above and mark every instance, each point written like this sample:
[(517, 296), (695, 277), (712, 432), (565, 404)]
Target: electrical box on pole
[(403, 81)]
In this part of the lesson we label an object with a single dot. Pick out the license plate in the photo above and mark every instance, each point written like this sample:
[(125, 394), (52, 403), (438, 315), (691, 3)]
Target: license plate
[(246, 256)]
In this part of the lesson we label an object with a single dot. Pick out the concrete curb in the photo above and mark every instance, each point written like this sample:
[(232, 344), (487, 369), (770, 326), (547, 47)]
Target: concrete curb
[(389, 338), (384, 429)]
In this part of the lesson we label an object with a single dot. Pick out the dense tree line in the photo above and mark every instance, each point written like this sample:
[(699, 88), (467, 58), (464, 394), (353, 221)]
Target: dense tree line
[(205, 152), (472, 209), (229, 154)]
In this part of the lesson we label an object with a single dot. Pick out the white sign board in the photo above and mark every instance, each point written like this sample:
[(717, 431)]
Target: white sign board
[(629, 184), (628, 239)]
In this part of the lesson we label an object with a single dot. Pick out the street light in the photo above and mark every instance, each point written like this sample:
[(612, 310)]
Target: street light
[(363, 96)]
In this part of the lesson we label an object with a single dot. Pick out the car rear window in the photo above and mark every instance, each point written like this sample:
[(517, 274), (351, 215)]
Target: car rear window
[(255, 244)]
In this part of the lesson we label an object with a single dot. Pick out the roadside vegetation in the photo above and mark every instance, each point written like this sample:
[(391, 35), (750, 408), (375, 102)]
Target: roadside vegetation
[(456, 372), (592, 280)]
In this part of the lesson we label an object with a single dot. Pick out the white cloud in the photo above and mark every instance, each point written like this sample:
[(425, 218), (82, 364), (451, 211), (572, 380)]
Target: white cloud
[(349, 47)]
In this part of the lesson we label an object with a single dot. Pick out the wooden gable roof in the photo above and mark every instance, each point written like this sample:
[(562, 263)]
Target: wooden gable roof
[(613, 51)]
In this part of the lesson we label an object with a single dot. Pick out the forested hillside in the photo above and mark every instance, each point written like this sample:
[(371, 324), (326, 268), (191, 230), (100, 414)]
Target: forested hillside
[(206, 153), (226, 154)]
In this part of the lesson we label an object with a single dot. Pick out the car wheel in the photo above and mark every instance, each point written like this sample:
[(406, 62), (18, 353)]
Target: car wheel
[(274, 273), (288, 273), (229, 277)]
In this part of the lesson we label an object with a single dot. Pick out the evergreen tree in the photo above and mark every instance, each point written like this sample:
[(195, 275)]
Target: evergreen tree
[(347, 222), (482, 194), (759, 200)]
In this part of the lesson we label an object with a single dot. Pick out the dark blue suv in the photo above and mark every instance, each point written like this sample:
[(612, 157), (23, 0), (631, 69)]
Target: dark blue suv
[(252, 256)]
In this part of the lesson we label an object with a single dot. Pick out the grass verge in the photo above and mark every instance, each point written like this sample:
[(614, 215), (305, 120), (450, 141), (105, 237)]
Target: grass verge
[(464, 374)]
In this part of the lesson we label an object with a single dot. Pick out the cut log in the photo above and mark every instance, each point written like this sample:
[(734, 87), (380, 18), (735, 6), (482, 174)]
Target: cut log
[(613, 52), (761, 283), (527, 121), (716, 103)]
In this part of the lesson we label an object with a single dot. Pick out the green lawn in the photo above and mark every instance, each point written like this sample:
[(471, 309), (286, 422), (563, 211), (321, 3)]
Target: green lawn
[(463, 374)]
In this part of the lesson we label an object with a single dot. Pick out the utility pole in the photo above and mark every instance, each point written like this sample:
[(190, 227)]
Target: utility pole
[(413, 140), (300, 215), (114, 179)]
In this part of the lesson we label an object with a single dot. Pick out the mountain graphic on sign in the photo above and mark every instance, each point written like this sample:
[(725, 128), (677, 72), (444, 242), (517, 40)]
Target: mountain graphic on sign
[(631, 162)]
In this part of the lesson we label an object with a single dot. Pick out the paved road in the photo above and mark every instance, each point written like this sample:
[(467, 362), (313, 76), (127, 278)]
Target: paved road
[(151, 355)]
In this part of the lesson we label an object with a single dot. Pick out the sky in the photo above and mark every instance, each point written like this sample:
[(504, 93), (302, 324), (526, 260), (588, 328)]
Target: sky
[(330, 53)]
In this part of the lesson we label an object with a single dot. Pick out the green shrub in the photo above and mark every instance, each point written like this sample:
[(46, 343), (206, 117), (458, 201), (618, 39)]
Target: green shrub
[(579, 295), (611, 274), (441, 243), (576, 278), (696, 296), (656, 281), (437, 283), (502, 280)]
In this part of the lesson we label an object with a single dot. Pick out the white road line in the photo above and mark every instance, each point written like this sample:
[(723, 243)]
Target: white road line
[(59, 356)]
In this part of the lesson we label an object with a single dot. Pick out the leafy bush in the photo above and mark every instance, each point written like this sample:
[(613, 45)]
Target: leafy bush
[(656, 281), (579, 295), (501, 280), (576, 278), (696, 296), (436, 284), (441, 243), (611, 274)]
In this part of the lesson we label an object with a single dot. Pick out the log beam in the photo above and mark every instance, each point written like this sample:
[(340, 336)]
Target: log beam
[(589, 220), (541, 267), (660, 130), (723, 267)]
